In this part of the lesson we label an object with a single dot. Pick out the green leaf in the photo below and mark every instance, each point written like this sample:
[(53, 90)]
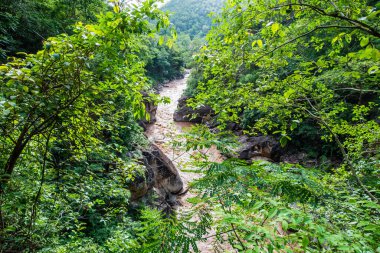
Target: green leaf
[(348, 38), (372, 227), (258, 205), (194, 200), (293, 126), (372, 205), (305, 241), (288, 93), (272, 213), (116, 9), (260, 43), (10, 229), (364, 41), (373, 70), (362, 224), (275, 27), (283, 141), (284, 225), (6, 112), (161, 40)]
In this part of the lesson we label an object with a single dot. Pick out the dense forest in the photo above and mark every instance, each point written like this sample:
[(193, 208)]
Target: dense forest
[(192, 20), (284, 93), (193, 17)]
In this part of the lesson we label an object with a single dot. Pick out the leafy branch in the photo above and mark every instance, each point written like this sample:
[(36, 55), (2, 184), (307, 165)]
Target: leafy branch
[(338, 15), (299, 37)]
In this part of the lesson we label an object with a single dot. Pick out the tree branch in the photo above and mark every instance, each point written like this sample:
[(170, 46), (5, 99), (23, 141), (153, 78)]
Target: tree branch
[(359, 90), (343, 151), (302, 35), (232, 225), (358, 24), (33, 213)]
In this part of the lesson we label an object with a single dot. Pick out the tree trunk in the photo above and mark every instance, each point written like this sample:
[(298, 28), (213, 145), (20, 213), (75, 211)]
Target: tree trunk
[(13, 157)]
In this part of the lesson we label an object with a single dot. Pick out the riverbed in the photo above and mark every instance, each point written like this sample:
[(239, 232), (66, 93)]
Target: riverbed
[(164, 131)]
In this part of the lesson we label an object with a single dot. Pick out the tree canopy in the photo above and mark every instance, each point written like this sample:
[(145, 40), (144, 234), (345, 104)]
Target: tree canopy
[(70, 112), (278, 67), (192, 17), (25, 24), (77, 76)]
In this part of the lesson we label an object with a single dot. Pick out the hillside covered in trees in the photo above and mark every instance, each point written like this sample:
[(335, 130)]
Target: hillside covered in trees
[(192, 17), (270, 144), (192, 21)]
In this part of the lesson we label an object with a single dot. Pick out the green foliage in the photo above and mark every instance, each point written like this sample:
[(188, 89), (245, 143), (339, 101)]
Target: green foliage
[(157, 234), (68, 134), (306, 71), (297, 63), (192, 20), (265, 207), (192, 16), (164, 63), (192, 83), (189, 47), (25, 24)]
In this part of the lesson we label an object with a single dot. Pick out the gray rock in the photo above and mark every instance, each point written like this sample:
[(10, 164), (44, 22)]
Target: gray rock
[(186, 113), (142, 184), (253, 148), (161, 176)]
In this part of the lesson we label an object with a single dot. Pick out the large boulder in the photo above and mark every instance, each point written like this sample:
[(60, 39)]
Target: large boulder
[(259, 147), (143, 182), (185, 113), (161, 175)]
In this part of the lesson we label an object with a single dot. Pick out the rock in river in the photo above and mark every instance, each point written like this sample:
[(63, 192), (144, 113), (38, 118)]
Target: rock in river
[(160, 174), (256, 147), (185, 113)]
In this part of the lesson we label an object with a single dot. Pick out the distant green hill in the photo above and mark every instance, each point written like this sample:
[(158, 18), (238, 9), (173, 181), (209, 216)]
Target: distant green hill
[(191, 16)]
